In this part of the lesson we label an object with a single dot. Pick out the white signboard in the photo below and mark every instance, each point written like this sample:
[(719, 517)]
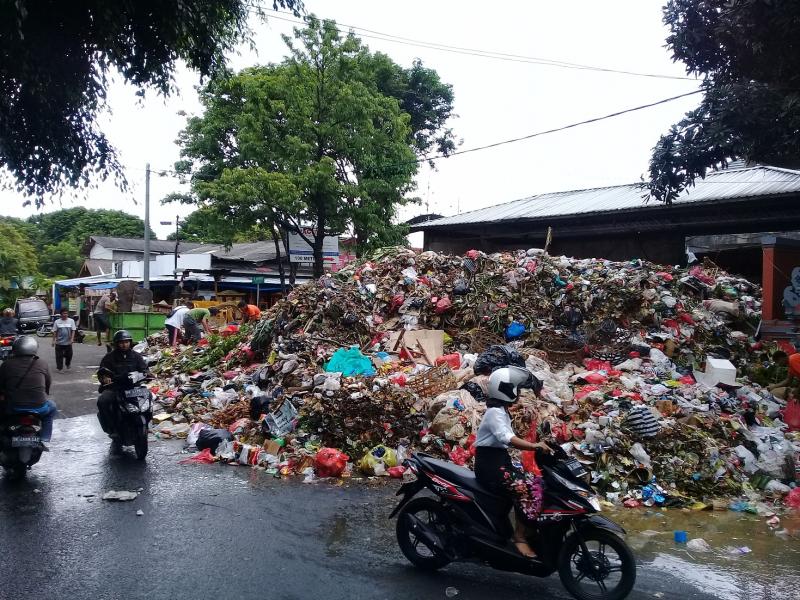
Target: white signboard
[(301, 252)]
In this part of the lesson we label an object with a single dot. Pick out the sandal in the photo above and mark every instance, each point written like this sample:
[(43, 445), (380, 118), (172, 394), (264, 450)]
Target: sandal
[(526, 550)]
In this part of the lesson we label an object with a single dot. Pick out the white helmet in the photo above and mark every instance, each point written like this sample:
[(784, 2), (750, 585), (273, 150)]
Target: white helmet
[(504, 384)]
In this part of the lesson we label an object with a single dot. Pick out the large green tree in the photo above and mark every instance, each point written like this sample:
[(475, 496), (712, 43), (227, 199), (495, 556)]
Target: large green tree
[(17, 255), (314, 134), (61, 260), (747, 53), (75, 225), (56, 59)]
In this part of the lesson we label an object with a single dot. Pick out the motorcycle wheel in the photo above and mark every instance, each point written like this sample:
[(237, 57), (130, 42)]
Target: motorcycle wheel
[(43, 331), (607, 573), (140, 445), (17, 472), (429, 512)]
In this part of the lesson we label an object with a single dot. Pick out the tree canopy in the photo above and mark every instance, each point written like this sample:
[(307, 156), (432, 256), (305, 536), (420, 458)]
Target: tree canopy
[(61, 260), (748, 55), (316, 140), (56, 60), (75, 225), (17, 255)]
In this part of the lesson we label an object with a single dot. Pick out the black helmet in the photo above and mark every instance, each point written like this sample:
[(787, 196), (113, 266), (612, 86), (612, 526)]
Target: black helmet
[(25, 346), (122, 336)]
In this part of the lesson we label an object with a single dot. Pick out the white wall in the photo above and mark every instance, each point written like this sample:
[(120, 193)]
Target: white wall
[(100, 252), (164, 265)]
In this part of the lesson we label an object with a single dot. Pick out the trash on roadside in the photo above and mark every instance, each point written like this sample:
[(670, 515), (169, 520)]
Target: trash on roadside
[(120, 496)]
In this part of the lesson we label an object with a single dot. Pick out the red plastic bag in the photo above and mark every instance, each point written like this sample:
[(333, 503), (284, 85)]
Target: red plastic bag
[(791, 415), (459, 456), (585, 391), (330, 462), (528, 456), (443, 305), (396, 472), (452, 360), (471, 444), (595, 364), (204, 457), (239, 425), (595, 378), (793, 499)]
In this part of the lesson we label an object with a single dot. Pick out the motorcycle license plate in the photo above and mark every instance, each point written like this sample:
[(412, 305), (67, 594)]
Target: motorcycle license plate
[(137, 393), (575, 467), (25, 441)]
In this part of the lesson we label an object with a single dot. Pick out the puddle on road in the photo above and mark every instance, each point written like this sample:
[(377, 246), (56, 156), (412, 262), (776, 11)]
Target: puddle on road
[(769, 570)]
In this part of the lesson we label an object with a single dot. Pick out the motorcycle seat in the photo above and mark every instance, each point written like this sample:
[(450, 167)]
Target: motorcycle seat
[(460, 476)]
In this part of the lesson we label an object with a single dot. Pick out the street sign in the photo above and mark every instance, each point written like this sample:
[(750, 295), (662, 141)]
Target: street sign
[(258, 279), (300, 251)]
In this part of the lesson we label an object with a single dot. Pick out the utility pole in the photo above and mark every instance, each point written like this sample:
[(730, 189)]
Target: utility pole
[(147, 227), (177, 235)]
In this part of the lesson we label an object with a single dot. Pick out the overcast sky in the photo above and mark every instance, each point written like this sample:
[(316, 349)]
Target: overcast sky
[(494, 100)]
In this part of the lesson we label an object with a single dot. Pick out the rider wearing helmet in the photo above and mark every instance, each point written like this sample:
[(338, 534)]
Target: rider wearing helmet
[(25, 384), (493, 467), (120, 362)]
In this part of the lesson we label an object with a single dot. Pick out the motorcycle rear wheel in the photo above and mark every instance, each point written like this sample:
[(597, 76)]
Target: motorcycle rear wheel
[(609, 560), (140, 445), (429, 512)]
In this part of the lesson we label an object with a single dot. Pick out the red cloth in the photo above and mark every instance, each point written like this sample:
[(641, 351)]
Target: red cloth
[(794, 365), (252, 312)]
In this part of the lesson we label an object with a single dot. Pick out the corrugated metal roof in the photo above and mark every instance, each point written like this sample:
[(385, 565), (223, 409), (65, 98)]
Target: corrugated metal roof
[(137, 244), (730, 184), (248, 252)]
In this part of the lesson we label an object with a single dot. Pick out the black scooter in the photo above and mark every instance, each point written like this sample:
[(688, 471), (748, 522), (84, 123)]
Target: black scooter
[(20, 443), (467, 522), (133, 412)]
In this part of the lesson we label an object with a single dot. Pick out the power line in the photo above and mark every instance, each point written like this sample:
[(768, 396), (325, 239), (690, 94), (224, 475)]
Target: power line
[(490, 54), (557, 129)]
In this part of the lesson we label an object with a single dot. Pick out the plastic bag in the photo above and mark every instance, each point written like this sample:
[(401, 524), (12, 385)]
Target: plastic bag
[(459, 456), (377, 460), (452, 360), (396, 472), (212, 438), (497, 357), (194, 432), (239, 425), (791, 415), (204, 457), (529, 456), (330, 462), (515, 330), (349, 362), (793, 499), (443, 305), (222, 398)]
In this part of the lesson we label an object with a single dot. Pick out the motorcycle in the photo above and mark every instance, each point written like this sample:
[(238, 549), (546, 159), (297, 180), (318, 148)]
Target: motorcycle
[(133, 412), (6, 342), (47, 329), (20, 444), (468, 522)]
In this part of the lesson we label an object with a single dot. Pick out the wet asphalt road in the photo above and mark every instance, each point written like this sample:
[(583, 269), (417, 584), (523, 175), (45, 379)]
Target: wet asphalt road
[(218, 532), (72, 389)]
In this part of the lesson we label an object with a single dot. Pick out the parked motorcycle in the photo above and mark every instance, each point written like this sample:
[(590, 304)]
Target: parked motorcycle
[(20, 444), (133, 412), (467, 522), (46, 329)]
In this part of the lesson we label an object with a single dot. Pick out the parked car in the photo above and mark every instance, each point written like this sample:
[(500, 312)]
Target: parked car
[(32, 314)]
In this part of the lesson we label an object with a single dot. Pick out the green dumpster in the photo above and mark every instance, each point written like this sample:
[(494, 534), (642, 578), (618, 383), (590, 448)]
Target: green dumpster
[(139, 325)]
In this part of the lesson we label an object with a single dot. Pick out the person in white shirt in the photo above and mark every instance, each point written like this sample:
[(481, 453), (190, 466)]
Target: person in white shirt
[(63, 337), (174, 323), (493, 466)]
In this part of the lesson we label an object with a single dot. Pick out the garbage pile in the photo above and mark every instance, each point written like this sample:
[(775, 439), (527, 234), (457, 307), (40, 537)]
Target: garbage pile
[(652, 376)]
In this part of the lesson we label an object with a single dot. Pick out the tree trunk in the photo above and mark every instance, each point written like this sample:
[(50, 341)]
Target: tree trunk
[(319, 259), (292, 266), (281, 272)]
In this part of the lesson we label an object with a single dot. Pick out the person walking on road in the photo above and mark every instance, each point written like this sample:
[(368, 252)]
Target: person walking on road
[(63, 337), (101, 322)]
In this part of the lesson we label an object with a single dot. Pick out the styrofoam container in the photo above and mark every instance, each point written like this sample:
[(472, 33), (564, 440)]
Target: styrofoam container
[(720, 370)]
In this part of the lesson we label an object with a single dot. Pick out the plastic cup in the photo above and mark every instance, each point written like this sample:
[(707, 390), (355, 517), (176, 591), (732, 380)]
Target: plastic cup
[(681, 537)]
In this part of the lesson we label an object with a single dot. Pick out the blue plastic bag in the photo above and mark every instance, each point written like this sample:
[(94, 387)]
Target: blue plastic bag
[(349, 362), (515, 330)]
